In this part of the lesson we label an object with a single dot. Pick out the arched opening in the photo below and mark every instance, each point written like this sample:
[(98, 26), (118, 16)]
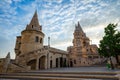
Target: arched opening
[(32, 64), (56, 62), (74, 61), (42, 62), (71, 64), (61, 62), (50, 63), (32, 26), (36, 39), (64, 65), (41, 40)]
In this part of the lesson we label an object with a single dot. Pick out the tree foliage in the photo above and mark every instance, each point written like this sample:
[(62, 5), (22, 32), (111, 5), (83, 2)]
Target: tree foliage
[(110, 44)]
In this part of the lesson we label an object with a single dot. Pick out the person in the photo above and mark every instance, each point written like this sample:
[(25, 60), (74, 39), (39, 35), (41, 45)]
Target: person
[(108, 64)]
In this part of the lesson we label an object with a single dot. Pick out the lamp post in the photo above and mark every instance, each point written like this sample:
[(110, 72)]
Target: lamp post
[(112, 67), (48, 53)]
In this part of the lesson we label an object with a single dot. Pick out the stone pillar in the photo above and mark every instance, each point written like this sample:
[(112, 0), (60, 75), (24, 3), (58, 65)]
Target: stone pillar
[(37, 64), (48, 60), (58, 62)]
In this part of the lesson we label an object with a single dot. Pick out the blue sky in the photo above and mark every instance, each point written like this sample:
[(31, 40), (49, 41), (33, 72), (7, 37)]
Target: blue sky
[(57, 18)]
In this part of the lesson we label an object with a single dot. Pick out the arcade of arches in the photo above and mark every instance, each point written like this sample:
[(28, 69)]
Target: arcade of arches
[(42, 63)]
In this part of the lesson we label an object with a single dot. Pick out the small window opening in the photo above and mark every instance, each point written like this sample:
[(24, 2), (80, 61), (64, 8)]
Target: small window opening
[(36, 39), (40, 40), (74, 61)]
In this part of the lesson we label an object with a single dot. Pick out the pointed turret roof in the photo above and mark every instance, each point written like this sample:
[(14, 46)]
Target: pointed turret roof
[(34, 20), (34, 23), (79, 24), (78, 28), (8, 55)]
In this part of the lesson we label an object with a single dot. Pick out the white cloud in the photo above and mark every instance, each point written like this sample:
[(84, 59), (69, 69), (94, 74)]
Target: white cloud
[(56, 1), (62, 45), (85, 2), (17, 0), (58, 18), (8, 1)]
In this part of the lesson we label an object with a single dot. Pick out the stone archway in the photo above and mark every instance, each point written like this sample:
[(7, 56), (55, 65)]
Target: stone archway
[(32, 64), (61, 62), (42, 62), (56, 62), (71, 64)]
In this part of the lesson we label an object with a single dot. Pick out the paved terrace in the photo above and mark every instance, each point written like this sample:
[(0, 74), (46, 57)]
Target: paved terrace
[(80, 69), (76, 73)]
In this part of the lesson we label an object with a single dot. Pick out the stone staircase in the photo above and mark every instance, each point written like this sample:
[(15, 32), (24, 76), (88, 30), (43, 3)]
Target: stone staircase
[(61, 76)]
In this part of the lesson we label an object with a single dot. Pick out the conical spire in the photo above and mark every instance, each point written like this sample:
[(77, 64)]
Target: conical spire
[(8, 55), (34, 20), (34, 23), (79, 24), (78, 28)]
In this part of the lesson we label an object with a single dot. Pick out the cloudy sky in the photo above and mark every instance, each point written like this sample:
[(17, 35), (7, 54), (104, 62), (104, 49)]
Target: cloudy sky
[(58, 19)]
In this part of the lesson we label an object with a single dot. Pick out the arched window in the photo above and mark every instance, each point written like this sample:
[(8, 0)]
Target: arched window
[(40, 40), (74, 61), (32, 26), (36, 39)]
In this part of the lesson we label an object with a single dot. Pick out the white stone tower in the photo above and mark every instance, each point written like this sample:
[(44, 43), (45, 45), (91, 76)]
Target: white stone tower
[(80, 41), (32, 37)]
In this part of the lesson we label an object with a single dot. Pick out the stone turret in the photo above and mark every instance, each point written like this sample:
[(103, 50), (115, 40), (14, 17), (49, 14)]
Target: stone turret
[(80, 41), (78, 36), (81, 50), (34, 23), (78, 28), (78, 33), (32, 37)]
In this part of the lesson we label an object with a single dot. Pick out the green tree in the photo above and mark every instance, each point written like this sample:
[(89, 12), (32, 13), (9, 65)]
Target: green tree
[(110, 44), (117, 47)]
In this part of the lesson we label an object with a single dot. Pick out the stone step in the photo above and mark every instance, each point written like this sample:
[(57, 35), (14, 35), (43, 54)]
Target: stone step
[(36, 77), (55, 74), (61, 77), (58, 75), (104, 73)]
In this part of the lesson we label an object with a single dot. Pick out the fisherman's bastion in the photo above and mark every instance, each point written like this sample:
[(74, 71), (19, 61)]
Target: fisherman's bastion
[(32, 54)]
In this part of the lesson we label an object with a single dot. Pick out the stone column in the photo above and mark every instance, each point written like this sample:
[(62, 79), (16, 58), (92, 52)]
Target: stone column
[(48, 60), (58, 62), (37, 64)]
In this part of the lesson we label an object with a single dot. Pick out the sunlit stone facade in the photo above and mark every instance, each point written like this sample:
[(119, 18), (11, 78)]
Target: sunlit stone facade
[(31, 53), (82, 53)]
